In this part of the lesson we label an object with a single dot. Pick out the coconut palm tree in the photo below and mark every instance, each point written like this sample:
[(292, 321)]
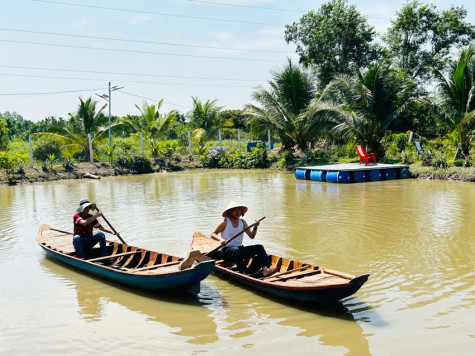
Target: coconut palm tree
[(290, 109), (74, 136), (204, 121), (457, 99), (151, 124), (371, 102)]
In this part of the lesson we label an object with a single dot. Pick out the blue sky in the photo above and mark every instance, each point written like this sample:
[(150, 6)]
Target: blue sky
[(52, 51)]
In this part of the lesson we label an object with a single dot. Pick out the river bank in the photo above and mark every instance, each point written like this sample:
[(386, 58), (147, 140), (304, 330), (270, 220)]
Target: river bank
[(86, 170)]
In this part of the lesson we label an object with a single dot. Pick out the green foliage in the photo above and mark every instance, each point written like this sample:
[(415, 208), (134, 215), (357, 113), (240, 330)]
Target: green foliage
[(74, 136), (43, 148), (439, 160), (167, 148), (152, 125), (3, 134), (11, 162), (204, 119), (257, 158), (457, 106), (422, 38), (336, 39), (134, 163), (288, 109), (373, 101)]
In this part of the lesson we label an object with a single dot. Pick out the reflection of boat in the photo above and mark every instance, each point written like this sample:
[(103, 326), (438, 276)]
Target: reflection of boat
[(294, 280), (126, 264), (179, 311)]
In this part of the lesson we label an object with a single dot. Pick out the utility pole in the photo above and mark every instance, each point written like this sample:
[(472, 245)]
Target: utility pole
[(108, 98)]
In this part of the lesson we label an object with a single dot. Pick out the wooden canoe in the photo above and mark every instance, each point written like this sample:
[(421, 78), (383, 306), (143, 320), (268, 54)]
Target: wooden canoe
[(294, 280), (125, 264)]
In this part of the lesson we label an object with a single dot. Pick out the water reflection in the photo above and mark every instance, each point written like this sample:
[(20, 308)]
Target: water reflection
[(175, 310)]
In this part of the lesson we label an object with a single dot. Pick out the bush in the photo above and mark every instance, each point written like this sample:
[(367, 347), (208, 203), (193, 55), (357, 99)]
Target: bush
[(43, 149), (11, 162), (439, 160), (134, 163)]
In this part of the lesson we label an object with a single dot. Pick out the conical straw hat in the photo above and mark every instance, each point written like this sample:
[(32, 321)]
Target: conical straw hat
[(233, 205)]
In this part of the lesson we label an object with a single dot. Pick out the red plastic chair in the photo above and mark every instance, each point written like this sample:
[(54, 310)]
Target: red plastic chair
[(364, 156)]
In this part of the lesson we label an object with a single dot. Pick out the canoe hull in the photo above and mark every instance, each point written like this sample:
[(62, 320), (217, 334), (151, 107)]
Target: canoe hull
[(303, 295), (187, 280)]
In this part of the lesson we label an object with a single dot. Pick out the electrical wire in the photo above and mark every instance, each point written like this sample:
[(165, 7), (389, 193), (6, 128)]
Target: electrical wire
[(140, 52), (124, 81), (245, 6), (157, 13), (144, 97), (141, 41), (130, 74), (51, 92)]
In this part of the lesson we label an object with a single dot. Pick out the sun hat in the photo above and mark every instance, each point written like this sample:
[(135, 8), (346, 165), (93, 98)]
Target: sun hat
[(233, 205), (83, 204)]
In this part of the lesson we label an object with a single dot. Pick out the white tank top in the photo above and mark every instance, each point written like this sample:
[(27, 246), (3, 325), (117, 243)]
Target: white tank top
[(230, 231)]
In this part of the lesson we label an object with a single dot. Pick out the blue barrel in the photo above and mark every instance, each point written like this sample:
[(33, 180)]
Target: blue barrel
[(302, 174), (339, 177), (404, 173), (359, 176), (318, 175), (390, 173), (344, 177), (375, 174)]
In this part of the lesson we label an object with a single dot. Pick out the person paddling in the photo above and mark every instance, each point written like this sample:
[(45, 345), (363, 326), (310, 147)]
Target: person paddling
[(234, 251), (84, 223)]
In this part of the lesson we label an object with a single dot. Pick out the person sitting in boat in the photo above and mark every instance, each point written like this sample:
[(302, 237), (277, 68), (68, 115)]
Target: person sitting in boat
[(234, 251), (84, 223)]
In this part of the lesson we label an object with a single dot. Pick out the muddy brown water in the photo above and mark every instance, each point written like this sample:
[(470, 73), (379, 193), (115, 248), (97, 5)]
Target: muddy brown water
[(416, 238)]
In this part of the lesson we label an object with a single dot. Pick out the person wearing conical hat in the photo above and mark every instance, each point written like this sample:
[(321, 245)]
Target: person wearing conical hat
[(234, 250), (84, 223)]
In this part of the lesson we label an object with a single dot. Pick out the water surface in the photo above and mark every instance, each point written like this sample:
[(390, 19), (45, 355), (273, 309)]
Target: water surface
[(416, 238)]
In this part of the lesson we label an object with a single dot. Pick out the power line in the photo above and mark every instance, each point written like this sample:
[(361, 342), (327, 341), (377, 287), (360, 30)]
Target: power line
[(129, 74), (51, 92), (124, 81), (245, 6), (144, 97), (137, 51), (141, 41), (158, 13)]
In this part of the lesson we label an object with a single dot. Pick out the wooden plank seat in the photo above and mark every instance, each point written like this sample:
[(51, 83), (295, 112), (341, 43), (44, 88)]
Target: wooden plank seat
[(294, 275), (113, 256), (155, 266)]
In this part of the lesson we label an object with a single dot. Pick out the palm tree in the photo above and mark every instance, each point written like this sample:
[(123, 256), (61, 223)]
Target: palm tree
[(204, 120), (74, 136), (151, 124), (289, 108), (371, 102), (457, 100)]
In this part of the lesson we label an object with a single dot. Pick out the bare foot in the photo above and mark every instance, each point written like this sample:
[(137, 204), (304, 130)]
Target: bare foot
[(268, 271)]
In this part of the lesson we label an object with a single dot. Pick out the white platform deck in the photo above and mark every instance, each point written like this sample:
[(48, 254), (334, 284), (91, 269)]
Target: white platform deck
[(353, 167)]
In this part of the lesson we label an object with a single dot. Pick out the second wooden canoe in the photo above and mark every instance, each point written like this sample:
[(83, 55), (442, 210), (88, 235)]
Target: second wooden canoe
[(294, 280)]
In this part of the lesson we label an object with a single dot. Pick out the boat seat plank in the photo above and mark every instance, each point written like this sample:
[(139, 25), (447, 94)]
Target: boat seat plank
[(113, 256), (155, 266), (294, 275)]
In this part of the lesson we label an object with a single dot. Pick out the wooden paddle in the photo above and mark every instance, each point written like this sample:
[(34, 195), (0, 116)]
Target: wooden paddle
[(232, 238), (108, 223)]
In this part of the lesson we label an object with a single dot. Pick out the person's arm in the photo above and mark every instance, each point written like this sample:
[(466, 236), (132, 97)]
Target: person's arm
[(90, 219), (219, 228), (250, 233)]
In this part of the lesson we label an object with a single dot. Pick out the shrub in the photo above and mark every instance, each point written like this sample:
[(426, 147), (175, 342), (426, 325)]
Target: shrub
[(134, 163), (10, 162), (43, 149), (439, 160)]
